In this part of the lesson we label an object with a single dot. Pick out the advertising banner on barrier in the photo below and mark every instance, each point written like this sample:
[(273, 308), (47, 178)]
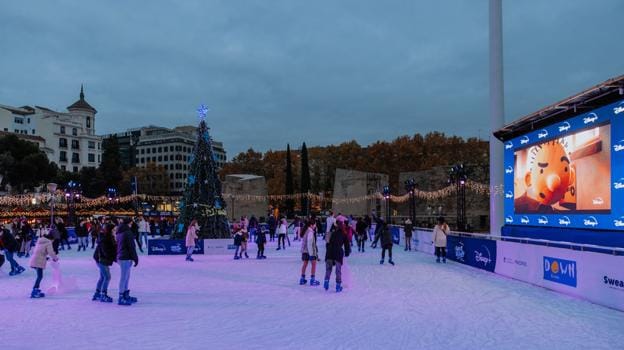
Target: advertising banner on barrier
[(422, 241), (480, 253), (220, 246), (171, 247), (397, 232), (593, 276)]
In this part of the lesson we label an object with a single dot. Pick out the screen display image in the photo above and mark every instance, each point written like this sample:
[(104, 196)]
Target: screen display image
[(570, 174)]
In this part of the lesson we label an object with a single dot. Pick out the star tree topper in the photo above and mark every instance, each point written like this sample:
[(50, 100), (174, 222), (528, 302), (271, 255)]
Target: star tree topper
[(202, 111)]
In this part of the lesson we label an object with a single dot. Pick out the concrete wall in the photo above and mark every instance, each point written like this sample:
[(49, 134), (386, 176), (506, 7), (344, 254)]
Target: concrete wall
[(352, 183), (245, 185)]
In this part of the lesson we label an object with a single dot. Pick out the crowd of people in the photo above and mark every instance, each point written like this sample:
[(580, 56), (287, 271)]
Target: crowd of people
[(114, 240)]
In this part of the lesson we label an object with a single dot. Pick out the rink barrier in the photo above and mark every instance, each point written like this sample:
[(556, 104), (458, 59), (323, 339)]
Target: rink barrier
[(171, 247), (586, 271)]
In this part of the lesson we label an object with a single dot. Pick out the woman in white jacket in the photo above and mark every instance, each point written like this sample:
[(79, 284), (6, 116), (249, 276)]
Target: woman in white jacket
[(439, 239), (38, 260), (309, 252), (190, 241)]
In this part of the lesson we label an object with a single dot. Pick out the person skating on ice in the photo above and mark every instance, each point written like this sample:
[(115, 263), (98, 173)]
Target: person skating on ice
[(309, 253), (191, 239), (238, 241), (408, 228), (440, 231), (126, 254), (104, 255), (38, 261), (386, 243), (361, 234), (337, 247), (282, 229), (260, 241), (244, 241), (10, 248)]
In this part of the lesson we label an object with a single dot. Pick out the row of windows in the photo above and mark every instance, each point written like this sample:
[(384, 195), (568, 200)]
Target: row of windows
[(75, 169), (166, 149), (75, 144), (76, 157), (165, 158)]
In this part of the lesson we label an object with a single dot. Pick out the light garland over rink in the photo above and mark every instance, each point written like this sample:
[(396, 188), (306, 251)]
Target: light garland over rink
[(42, 199)]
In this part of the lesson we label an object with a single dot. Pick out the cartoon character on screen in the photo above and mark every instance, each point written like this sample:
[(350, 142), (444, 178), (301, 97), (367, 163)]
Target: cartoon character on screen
[(550, 181)]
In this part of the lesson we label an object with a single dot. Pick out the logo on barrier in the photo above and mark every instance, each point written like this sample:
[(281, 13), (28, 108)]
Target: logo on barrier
[(619, 222), (159, 248), (619, 184), (542, 134), (509, 195), (176, 248), (480, 257), (564, 221), (524, 220), (522, 263), (614, 283), (565, 126), (590, 221), (598, 201), (509, 220), (459, 252), (509, 170), (542, 220), (591, 118), (509, 145), (618, 146), (524, 140), (619, 109), (560, 271)]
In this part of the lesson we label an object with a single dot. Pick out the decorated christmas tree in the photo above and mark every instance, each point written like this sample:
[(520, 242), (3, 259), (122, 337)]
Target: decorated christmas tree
[(202, 198)]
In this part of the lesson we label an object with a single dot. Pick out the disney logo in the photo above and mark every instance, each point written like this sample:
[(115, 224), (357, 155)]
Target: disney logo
[(509, 194), (564, 221), (564, 127), (542, 134), (590, 221), (480, 258), (619, 146), (524, 140), (619, 185), (590, 119), (542, 220), (619, 109), (619, 222), (158, 248), (524, 220), (509, 145), (509, 170), (509, 220)]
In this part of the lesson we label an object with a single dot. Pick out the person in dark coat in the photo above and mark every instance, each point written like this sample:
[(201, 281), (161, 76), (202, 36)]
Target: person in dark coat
[(337, 246), (83, 235), (62, 230), (10, 247), (272, 222), (260, 241), (379, 223), (105, 254), (126, 254), (408, 228), (134, 227), (362, 236), (386, 243)]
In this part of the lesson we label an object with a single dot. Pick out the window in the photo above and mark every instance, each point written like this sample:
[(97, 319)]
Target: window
[(6, 129), (92, 144), (63, 156), (74, 131), (63, 142), (154, 159), (159, 149), (75, 144), (98, 145), (99, 158), (171, 176), (91, 158), (18, 120), (33, 131), (62, 129), (160, 158), (142, 151), (166, 158), (166, 148), (28, 120), (75, 157), (143, 160), (88, 122), (75, 169), (153, 149), (148, 150)]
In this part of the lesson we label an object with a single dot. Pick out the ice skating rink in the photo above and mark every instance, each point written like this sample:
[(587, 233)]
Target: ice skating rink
[(218, 303)]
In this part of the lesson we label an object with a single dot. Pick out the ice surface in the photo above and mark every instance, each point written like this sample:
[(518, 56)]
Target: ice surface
[(218, 303)]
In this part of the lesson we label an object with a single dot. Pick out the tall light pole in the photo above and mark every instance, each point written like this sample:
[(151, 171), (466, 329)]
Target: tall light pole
[(52, 189), (497, 113)]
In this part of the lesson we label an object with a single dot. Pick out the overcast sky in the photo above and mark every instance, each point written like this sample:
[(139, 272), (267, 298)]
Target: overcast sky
[(323, 72)]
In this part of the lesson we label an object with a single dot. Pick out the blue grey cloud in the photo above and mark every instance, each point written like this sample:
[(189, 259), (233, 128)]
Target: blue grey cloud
[(291, 71)]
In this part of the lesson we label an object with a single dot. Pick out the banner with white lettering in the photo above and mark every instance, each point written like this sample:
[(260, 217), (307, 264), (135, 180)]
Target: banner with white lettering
[(422, 241), (593, 276)]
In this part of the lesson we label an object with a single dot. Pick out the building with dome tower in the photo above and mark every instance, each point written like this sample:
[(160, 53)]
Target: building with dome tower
[(67, 138)]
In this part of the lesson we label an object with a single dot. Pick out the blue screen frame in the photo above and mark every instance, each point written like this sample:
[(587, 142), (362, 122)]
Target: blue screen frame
[(612, 114)]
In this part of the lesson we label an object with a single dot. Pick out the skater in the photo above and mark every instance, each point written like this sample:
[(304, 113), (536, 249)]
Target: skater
[(144, 229), (27, 234), (272, 222), (386, 244), (134, 227), (126, 254), (309, 252), (253, 227), (10, 248), (329, 223), (191, 239), (260, 241), (62, 230), (83, 235), (38, 261), (244, 240), (105, 254), (282, 229), (337, 247), (296, 225), (408, 228), (238, 240), (439, 239), (362, 236)]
